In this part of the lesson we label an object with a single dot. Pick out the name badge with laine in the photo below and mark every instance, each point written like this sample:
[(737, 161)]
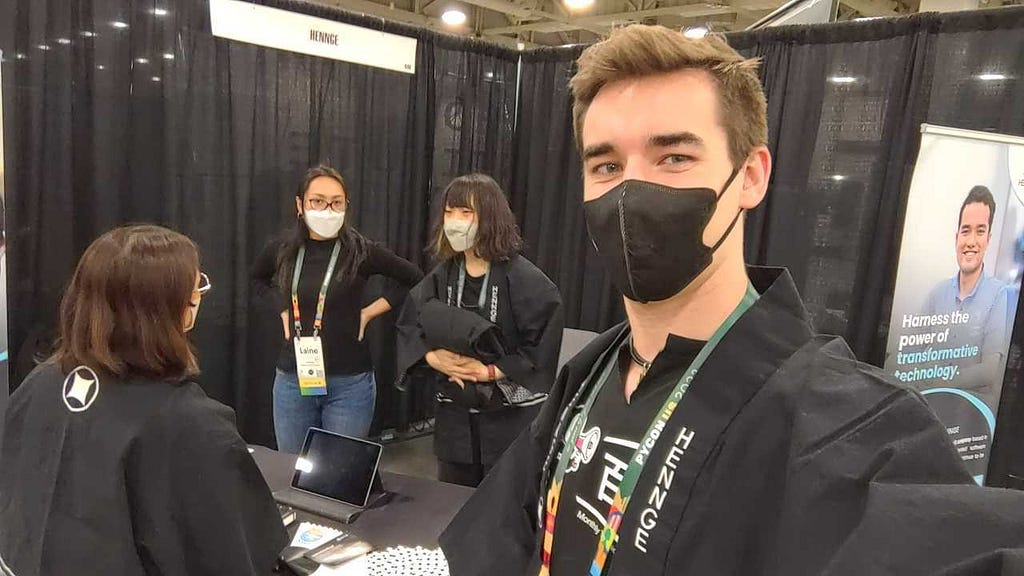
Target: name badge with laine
[(309, 351), (309, 362)]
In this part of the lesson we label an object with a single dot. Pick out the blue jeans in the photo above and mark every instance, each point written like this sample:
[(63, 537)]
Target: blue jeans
[(346, 409)]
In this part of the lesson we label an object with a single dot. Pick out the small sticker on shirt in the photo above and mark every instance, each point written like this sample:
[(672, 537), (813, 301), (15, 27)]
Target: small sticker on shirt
[(584, 449)]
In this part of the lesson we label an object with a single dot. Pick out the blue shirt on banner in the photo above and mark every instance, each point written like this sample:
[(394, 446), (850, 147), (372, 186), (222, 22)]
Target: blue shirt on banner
[(986, 305), (985, 333)]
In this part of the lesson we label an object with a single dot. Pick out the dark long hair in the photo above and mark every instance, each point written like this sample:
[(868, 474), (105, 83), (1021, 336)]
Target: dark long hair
[(353, 244), (497, 236), (123, 311)]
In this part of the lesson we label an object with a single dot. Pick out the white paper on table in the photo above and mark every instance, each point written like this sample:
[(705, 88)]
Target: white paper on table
[(311, 535)]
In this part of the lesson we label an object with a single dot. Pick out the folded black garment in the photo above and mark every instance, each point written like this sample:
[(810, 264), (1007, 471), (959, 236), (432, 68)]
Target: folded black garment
[(461, 331)]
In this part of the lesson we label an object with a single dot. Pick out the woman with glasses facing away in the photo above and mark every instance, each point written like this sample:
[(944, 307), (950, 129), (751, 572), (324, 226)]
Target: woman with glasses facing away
[(317, 274), (114, 462), (484, 327)]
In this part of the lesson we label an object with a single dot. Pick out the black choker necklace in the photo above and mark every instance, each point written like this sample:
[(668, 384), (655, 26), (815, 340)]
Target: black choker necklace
[(638, 359)]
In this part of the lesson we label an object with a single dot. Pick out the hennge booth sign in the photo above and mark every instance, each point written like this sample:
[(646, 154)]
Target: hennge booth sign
[(294, 32)]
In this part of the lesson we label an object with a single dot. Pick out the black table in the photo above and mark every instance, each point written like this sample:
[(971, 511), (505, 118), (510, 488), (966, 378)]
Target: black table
[(416, 515)]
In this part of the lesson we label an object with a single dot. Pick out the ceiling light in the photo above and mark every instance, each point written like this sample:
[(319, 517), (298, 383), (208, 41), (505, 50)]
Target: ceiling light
[(101, 67), (842, 79), (43, 47), (453, 17), (159, 12), (838, 177), (119, 24), (141, 61), (168, 56), (992, 77), (87, 34), (155, 78), (578, 4), (696, 32), (63, 41)]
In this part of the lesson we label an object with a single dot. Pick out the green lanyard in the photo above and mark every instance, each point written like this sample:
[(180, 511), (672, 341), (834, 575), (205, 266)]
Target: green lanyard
[(462, 285), (639, 458), (319, 321)]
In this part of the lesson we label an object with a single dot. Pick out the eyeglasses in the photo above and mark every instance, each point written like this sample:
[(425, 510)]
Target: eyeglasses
[(204, 284), (321, 204)]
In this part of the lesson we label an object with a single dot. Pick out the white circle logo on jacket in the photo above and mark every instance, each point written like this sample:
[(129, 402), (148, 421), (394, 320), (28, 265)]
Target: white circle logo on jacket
[(81, 388)]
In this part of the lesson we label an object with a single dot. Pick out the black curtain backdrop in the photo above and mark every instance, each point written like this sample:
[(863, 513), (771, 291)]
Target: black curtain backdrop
[(216, 146), (159, 121), (547, 193), (844, 155)]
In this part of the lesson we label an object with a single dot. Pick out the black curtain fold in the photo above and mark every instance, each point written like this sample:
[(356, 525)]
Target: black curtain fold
[(475, 100)]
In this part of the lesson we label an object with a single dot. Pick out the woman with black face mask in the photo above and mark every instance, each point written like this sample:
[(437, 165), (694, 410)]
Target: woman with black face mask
[(484, 327), (316, 276)]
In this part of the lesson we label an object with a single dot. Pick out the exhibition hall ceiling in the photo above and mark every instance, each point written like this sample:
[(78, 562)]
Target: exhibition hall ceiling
[(529, 23)]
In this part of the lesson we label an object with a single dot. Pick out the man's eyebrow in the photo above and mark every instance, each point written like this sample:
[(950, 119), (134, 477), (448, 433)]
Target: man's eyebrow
[(597, 150), (675, 139), (657, 141)]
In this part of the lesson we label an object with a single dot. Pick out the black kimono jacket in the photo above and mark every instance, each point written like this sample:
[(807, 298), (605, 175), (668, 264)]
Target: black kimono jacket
[(527, 308), (802, 461), (148, 478)]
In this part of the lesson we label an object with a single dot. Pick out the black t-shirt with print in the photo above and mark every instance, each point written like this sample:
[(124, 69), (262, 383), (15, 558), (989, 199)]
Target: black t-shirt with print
[(587, 493), (471, 294)]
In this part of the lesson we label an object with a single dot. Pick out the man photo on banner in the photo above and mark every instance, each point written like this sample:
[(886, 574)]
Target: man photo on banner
[(978, 299), (715, 432)]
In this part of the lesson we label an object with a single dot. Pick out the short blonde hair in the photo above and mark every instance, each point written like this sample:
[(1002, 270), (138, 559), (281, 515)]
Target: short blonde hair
[(638, 51)]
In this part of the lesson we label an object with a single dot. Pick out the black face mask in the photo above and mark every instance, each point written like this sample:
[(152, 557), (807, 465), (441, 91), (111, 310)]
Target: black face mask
[(651, 237)]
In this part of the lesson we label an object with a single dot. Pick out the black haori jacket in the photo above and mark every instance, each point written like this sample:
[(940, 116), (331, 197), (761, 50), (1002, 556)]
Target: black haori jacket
[(802, 461), (524, 310)]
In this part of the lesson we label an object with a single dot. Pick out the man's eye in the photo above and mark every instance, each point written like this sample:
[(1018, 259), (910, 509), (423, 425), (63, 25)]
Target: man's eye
[(606, 168), (676, 159)]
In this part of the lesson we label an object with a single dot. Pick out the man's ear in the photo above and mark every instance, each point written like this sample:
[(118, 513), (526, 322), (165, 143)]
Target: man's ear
[(756, 172)]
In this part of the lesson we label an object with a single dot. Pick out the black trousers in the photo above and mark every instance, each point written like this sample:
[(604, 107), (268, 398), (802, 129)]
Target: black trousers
[(465, 474)]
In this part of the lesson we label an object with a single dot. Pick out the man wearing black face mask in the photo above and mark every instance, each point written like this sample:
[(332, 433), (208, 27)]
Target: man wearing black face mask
[(715, 433)]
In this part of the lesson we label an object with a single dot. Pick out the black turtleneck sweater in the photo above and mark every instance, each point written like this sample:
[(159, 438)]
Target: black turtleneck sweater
[(344, 354)]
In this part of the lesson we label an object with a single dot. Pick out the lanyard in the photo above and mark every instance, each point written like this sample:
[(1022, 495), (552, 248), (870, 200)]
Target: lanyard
[(319, 322), (639, 458), (462, 284)]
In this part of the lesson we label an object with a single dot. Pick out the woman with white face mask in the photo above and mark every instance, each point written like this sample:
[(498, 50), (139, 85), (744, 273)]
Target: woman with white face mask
[(488, 388), (318, 273)]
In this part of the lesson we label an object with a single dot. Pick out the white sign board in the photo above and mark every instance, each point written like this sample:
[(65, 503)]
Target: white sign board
[(294, 32)]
